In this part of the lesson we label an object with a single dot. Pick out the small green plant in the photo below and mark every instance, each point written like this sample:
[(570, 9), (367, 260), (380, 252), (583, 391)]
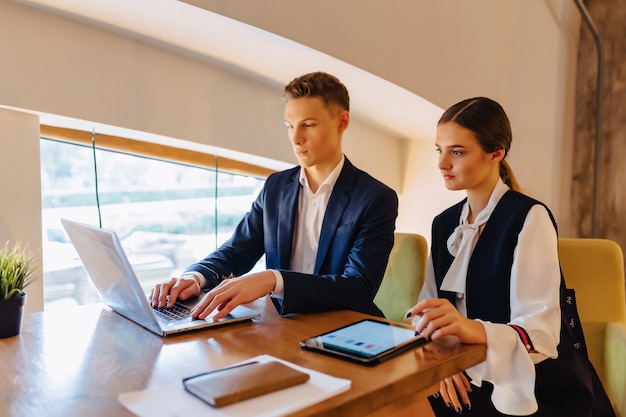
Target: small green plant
[(16, 271)]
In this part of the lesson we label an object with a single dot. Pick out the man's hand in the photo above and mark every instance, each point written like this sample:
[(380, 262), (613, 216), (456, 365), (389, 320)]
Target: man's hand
[(182, 288), (233, 292)]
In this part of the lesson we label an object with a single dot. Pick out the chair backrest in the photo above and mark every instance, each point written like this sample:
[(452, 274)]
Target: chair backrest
[(594, 268), (404, 276)]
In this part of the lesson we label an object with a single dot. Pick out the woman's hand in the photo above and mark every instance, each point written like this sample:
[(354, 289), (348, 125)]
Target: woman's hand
[(453, 392), (437, 317)]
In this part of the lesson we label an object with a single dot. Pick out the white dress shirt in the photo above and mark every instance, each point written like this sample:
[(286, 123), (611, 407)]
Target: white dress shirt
[(306, 236), (534, 298), (311, 209)]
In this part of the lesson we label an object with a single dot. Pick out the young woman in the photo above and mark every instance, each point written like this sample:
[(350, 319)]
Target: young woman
[(493, 277)]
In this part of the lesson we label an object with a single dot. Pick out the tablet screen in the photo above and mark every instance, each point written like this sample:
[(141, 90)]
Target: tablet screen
[(364, 340)]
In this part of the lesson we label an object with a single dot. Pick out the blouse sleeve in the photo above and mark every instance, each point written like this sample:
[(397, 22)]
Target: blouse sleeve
[(535, 281), (429, 289)]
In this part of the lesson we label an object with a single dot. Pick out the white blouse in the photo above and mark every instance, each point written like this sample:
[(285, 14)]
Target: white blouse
[(534, 298)]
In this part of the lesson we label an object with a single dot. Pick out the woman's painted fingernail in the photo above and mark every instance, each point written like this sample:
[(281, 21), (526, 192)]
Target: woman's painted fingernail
[(408, 314), (450, 406), (467, 406), (459, 410)]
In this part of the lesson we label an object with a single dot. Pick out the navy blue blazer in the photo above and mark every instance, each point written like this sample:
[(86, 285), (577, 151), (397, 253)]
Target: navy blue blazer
[(356, 239)]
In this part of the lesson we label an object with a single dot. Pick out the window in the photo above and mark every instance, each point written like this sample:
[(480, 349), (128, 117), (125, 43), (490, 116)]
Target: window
[(167, 214)]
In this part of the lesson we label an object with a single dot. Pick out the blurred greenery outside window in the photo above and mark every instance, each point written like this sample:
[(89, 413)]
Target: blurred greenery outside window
[(167, 214)]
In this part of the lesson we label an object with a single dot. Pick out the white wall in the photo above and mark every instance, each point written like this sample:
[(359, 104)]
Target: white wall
[(520, 52), (54, 65), (57, 65), (20, 186)]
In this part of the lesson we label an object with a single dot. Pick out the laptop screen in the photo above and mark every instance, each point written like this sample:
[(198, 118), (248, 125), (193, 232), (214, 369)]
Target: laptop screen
[(103, 256)]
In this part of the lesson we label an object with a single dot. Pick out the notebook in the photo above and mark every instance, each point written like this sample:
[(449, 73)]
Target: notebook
[(111, 273)]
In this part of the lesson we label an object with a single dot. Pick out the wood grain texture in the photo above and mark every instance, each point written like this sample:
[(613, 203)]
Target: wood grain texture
[(76, 362)]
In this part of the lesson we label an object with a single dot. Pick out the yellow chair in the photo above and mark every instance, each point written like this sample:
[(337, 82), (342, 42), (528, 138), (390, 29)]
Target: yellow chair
[(404, 276), (594, 268)]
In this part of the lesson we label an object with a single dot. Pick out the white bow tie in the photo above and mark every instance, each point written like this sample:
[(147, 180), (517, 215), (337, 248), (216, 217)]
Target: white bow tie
[(461, 245)]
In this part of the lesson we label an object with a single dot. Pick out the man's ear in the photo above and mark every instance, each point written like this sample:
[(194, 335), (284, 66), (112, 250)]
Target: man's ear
[(344, 120)]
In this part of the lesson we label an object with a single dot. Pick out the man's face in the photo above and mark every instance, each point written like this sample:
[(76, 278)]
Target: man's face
[(315, 130)]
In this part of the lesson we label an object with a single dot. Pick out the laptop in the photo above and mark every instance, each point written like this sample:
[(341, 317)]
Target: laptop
[(107, 264)]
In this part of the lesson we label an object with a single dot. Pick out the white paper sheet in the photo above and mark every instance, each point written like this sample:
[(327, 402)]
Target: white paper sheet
[(173, 401)]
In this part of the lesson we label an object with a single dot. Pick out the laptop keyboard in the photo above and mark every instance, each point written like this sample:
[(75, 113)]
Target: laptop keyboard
[(179, 312)]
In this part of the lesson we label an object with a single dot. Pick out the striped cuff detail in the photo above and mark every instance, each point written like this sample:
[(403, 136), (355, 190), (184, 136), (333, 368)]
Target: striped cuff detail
[(524, 338)]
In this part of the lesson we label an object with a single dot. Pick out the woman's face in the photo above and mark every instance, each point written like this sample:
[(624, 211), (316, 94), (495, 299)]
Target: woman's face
[(462, 162)]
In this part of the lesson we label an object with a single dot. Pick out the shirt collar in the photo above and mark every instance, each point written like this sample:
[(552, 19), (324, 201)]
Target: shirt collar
[(330, 181), (498, 191), (462, 241)]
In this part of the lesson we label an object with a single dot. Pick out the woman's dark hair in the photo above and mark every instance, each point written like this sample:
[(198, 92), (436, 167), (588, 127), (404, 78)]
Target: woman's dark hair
[(319, 84), (490, 125)]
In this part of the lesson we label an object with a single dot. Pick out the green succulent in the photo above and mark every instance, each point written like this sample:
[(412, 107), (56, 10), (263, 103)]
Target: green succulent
[(16, 271)]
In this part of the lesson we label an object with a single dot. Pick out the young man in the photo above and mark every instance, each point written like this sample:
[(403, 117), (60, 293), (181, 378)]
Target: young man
[(325, 227)]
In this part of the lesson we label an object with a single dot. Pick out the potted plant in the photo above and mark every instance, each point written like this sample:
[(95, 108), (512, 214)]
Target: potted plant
[(16, 273)]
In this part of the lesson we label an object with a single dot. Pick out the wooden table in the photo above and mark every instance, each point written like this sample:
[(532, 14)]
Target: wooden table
[(75, 362)]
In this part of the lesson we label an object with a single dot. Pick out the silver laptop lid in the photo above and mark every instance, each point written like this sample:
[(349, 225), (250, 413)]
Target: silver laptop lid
[(103, 256)]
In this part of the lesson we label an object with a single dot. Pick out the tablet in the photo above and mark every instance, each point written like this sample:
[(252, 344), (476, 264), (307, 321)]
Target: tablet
[(367, 341)]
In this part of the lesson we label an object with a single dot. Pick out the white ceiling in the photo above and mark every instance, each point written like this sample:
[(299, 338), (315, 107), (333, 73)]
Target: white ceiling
[(179, 25)]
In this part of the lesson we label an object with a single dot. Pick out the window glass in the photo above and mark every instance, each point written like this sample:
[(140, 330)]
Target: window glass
[(167, 215)]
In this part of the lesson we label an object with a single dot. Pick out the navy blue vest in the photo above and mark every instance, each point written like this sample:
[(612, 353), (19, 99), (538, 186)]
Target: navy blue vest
[(565, 386), (489, 272)]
